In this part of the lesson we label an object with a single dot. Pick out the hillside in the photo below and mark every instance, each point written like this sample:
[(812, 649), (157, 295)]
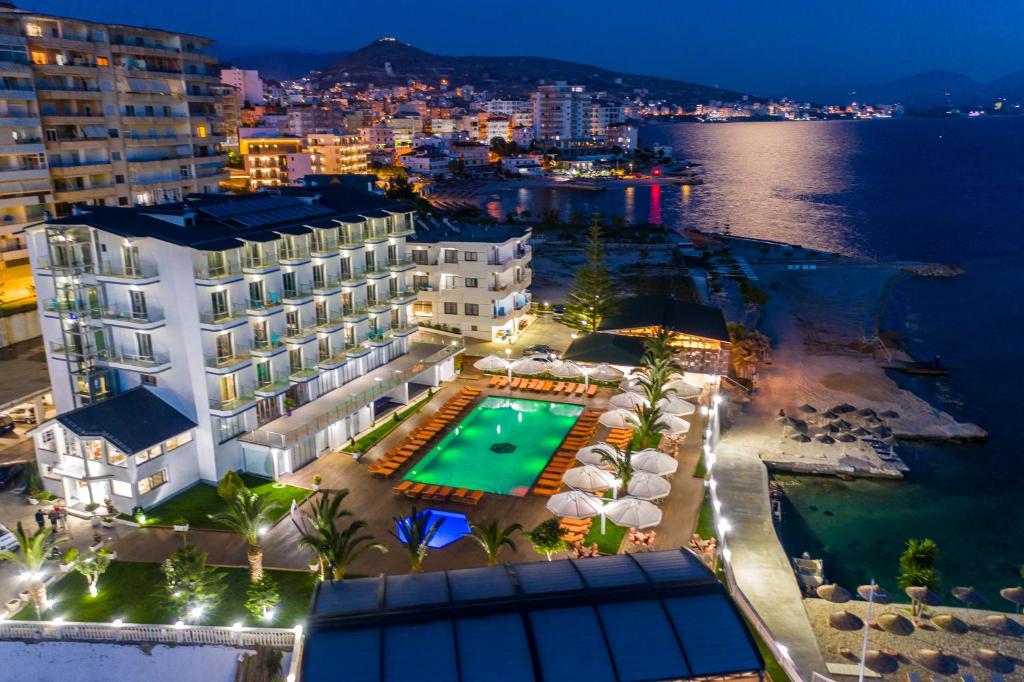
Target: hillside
[(936, 88), (387, 61)]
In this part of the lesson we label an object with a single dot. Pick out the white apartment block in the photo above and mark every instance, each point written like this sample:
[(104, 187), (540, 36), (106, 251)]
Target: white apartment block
[(248, 83), (507, 107), (475, 278), (250, 332), (561, 112), (103, 114)]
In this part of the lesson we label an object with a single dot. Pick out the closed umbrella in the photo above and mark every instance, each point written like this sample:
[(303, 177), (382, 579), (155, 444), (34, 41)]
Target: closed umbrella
[(834, 593), (681, 388), (950, 623), (575, 504), (674, 425), (969, 597), (844, 620), (530, 366), (628, 400), (565, 369), (676, 406), (618, 419), (647, 486), (881, 663), (990, 659), (593, 454), (1014, 595), (881, 595), (605, 372), (631, 512), (654, 462), (895, 624), (589, 478), (1001, 624)]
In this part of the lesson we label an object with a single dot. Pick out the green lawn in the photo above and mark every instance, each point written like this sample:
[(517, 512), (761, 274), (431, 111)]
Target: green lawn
[(133, 592), (377, 435), (706, 520), (610, 541), (196, 503)]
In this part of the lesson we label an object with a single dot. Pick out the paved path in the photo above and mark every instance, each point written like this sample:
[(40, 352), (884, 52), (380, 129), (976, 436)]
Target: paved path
[(759, 564)]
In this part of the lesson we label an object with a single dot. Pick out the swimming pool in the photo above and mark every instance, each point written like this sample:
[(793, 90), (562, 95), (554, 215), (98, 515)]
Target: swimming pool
[(500, 447)]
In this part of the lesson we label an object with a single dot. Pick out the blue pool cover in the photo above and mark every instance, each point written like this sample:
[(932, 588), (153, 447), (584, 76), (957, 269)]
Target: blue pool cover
[(453, 526)]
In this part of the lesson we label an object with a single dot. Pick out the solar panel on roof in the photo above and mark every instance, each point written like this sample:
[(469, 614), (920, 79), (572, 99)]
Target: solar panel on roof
[(570, 645), (481, 642), (347, 596), (552, 576), (642, 642), (415, 589), (418, 653), (712, 635), (479, 583), (671, 566), (359, 649), (611, 571)]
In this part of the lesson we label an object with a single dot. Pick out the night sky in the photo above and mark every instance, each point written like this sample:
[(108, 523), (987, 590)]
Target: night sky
[(797, 47)]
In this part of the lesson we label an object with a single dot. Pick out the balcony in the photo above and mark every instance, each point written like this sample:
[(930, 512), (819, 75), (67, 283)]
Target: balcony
[(299, 334), (302, 293), (80, 308), (219, 319), (324, 246), (402, 297), (136, 274), (328, 286), (333, 361), (155, 140), (267, 347), (271, 387), (259, 263), (352, 315), (61, 168), (303, 373), (294, 254), (375, 236), (350, 242), (227, 362), (378, 272), (401, 231), (244, 399), (143, 319), (353, 279), (400, 264), (218, 272), (119, 358), (329, 323), (73, 194), (268, 305), (19, 173), (378, 306)]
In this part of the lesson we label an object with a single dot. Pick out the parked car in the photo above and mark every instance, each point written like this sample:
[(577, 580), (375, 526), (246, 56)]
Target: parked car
[(25, 414), (7, 540), (6, 423), (539, 349)]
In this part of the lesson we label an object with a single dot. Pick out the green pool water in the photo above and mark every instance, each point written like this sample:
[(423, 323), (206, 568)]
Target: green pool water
[(499, 447)]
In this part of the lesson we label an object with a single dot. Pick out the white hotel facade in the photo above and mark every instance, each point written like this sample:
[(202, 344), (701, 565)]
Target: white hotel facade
[(221, 333)]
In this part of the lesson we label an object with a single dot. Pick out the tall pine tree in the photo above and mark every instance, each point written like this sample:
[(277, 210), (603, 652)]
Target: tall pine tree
[(594, 295)]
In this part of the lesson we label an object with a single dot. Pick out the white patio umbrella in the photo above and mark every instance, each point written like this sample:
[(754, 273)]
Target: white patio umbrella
[(589, 478), (575, 504), (592, 454), (631, 512), (628, 400), (605, 372), (654, 462), (682, 389), (674, 425), (492, 363), (530, 366), (648, 486), (676, 406), (618, 419), (566, 369)]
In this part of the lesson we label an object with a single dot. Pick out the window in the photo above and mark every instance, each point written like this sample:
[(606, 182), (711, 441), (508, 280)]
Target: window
[(178, 441), (121, 488), (472, 309), (102, 61), (148, 379), (470, 256), (152, 482), (451, 308), (148, 454), (119, 179), (144, 342), (122, 201), (94, 450), (423, 308), (451, 256), (419, 256), (116, 156), (116, 457), (38, 57), (471, 283)]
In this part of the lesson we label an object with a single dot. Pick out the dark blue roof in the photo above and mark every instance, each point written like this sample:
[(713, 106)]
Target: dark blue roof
[(685, 317), (488, 234), (630, 618), (131, 422)]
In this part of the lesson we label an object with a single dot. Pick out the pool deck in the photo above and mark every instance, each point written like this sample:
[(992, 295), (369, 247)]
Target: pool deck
[(371, 500)]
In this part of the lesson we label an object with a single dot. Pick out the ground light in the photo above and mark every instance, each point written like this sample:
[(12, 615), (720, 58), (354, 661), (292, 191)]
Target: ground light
[(117, 622), (58, 620), (179, 625), (236, 626)]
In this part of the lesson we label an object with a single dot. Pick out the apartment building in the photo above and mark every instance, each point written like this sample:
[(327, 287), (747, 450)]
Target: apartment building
[(473, 277), (507, 107), (272, 159), (337, 153), (229, 108), (560, 112), (250, 332), (102, 114), (247, 82)]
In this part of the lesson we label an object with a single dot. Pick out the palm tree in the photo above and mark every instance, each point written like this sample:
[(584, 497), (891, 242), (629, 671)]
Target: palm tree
[(619, 461), (32, 558), (249, 514), (414, 532), (492, 537), (335, 548)]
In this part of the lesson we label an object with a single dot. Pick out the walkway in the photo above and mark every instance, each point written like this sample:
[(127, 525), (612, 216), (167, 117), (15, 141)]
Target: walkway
[(759, 564)]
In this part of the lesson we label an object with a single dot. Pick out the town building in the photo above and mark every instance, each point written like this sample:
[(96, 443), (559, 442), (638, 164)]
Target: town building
[(507, 107), (250, 332), (272, 159), (337, 153), (230, 110), (560, 112), (426, 161), (247, 82), (475, 278), (102, 114), (470, 155)]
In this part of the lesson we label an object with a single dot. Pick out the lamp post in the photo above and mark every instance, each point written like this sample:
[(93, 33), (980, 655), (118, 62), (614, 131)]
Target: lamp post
[(508, 362)]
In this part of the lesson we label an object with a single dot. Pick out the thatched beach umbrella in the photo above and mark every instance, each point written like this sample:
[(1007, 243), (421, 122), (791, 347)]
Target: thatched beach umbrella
[(673, 424), (950, 623), (881, 595), (872, 419), (825, 439), (788, 421), (936, 661), (922, 595), (1001, 624), (801, 438), (895, 624), (808, 409), (969, 597), (676, 406), (681, 388), (829, 414), (990, 659), (861, 432), (881, 663), (890, 414), (834, 593), (842, 424), (844, 620), (843, 408), (867, 412), (1014, 595)]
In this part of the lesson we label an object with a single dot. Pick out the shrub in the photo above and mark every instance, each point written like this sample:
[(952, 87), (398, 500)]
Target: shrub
[(230, 485)]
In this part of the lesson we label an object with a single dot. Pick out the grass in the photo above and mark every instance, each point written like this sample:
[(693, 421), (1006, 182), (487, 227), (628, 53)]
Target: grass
[(706, 520), (771, 664), (700, 469), (196, 503), (378, 434), (610, 541), (133, 592)]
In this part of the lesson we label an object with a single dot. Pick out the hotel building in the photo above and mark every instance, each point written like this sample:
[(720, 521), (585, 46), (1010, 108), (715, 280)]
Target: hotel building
[(272, 159), (474, 278), (250, 333), (337, 153)]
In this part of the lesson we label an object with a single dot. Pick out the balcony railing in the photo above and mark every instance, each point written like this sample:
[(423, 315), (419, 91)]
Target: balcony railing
[(353, 278), (326, 285), (328, 321), (237, 356), (353, 313), (134, 316), (232, 313), (266, 260), (267, 346), (229, 269), (398, 296), (297, 292), (303, 372), (293, 333), (135, 359), (400, 263), (127, 272), (294, 253), (269, 302), (272, 385), (244, 397)]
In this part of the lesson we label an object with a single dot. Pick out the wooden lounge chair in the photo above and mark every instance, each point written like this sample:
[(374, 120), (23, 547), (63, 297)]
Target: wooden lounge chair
[(494, 381), (442, 494), (592, 391), (503, 382), (580, 389), (459, 495), (429, 493), (558, 387), (401, 487), (415, 490), (474, 497), (515, 382), (546, 492), (548, 385)]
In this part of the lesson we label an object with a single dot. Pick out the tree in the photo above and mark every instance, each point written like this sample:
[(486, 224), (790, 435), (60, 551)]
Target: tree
[(230, 485), (594, 295), (335, 547), (619, 461), (261, 598), (491, 537), (91, 565), (547, 538), (192, 587), (32, 558), (917, 567), (414, 533), (249, 514)]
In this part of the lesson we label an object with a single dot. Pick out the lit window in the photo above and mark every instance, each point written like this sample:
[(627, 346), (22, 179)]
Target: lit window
[(116, 457), (38, 57), (94, 450), (102, 61), (152, 482), (121, 488), (34, 30), (148, 454), (178, 441)]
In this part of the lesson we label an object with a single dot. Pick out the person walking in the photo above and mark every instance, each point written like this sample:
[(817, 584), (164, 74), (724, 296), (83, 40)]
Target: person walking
[(57, 509), (53, 521), (40, 519), (63, 518)]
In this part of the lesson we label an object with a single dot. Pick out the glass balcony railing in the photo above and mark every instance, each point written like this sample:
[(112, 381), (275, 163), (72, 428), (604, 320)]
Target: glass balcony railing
[(266, 345), (268, 302), (130, 316), (225, 360), (298, 291), (329, 284), (229, 314)]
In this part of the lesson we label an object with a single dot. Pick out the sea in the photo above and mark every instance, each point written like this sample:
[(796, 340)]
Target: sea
[(947, 190)]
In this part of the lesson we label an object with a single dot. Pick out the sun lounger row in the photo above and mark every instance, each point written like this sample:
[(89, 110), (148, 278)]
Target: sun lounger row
[(438, 493), (393, 459), (574, 530), (550, 480), (620, 438), (544, 386)]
